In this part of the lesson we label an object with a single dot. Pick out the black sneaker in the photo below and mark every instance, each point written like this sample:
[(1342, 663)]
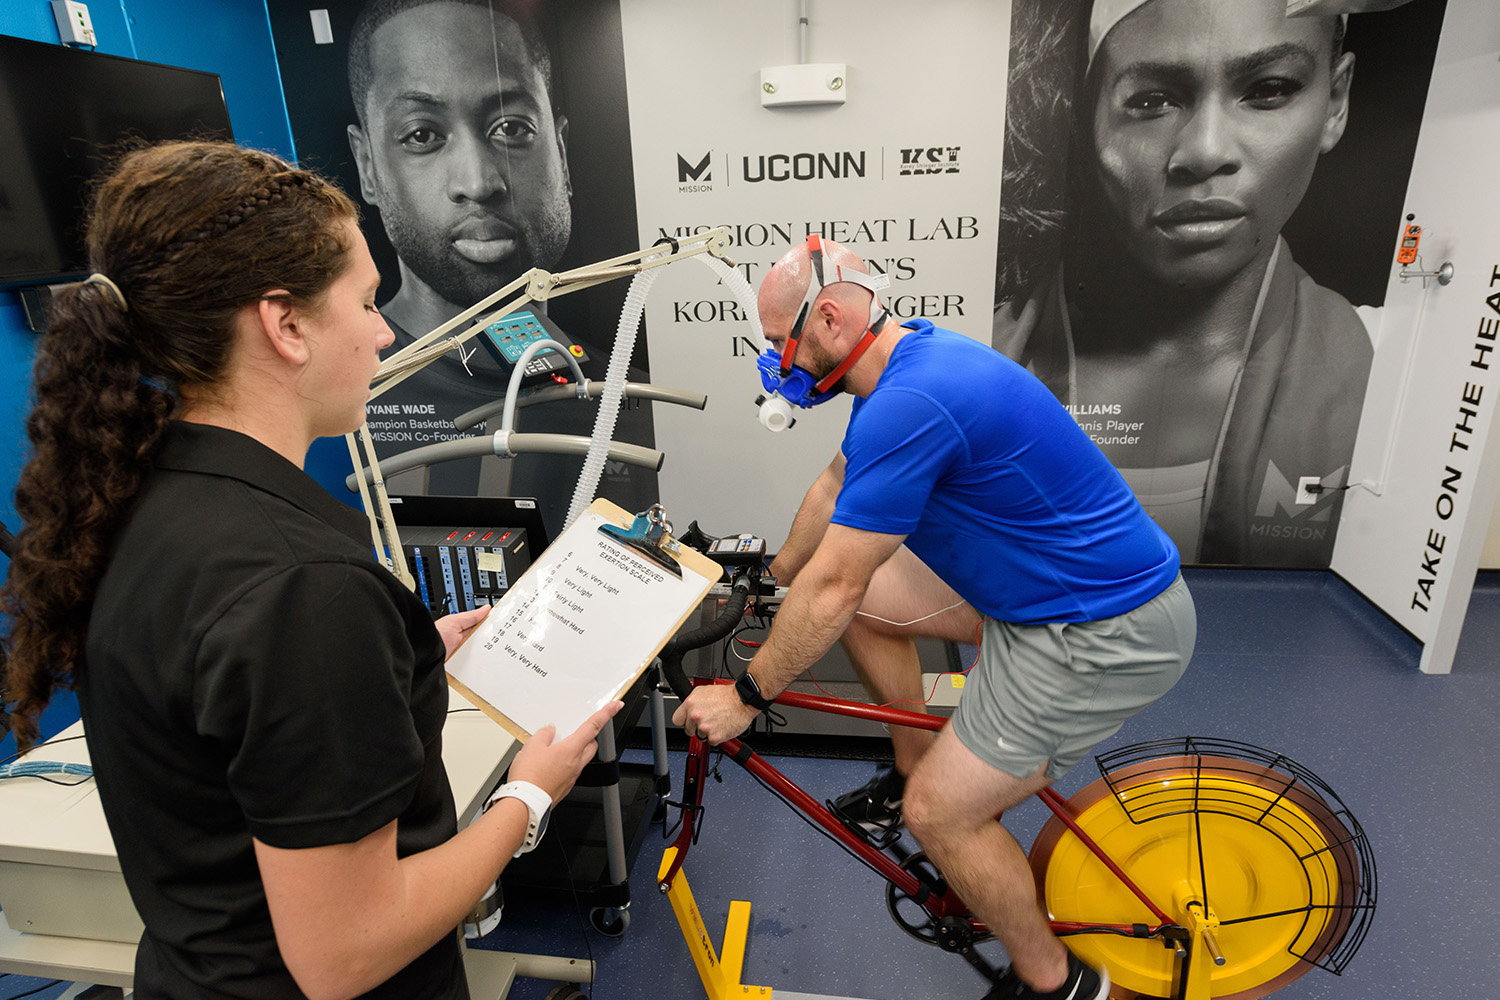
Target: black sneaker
[(875, 808), (1083, 983)]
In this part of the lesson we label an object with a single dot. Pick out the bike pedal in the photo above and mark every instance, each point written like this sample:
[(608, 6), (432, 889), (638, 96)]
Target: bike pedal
[(879, 840)]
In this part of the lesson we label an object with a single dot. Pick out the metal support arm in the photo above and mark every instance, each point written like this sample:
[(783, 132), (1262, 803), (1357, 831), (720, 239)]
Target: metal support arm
[(506, 445), (536, 285), (590, 389)]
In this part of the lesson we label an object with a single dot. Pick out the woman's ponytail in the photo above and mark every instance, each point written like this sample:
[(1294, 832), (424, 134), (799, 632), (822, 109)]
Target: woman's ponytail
[(95, 424), (182, 237)]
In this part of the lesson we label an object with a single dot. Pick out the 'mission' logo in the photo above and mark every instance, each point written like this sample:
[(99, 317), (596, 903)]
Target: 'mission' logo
[(1278, 515), (694, 177)]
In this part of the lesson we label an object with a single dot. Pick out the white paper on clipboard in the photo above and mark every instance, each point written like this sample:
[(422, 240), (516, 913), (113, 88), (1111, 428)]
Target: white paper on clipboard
[(573, 633)]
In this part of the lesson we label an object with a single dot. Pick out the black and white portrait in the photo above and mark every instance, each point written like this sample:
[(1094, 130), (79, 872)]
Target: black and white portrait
[(485, 138), (1152, 269)]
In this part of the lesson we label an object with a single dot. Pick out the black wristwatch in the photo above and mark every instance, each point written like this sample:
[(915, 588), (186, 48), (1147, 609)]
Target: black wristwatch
[(749, 692)]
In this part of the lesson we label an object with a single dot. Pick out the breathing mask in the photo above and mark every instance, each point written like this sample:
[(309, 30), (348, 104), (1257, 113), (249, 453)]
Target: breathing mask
[(787, 385)]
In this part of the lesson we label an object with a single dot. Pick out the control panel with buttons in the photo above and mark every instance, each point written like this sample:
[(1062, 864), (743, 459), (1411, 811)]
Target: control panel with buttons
[(507, 338)]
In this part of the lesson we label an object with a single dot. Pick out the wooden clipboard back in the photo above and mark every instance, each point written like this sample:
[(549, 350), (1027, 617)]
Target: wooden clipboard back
[(586, 602), (490, 710)]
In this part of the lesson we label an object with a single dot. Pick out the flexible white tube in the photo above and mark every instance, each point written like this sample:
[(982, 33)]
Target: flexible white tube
[(743, 293), (619, 364), (614, 391)]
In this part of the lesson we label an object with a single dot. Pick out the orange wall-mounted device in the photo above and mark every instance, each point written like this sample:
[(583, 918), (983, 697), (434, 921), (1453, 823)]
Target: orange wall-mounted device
[(1410, 237)]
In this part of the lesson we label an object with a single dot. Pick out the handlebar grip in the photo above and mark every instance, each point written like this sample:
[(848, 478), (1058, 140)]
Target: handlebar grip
[(676, 647), (671, 669)]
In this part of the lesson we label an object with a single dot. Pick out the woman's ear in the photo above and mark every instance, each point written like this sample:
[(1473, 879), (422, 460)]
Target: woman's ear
[(1338, 103), (279, 320)]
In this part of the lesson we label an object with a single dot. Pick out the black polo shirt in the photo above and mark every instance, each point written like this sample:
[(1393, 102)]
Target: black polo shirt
[(251, 671)]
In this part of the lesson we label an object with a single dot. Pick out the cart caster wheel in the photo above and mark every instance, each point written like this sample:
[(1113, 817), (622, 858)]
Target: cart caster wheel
[(609, 921), (566, 991)]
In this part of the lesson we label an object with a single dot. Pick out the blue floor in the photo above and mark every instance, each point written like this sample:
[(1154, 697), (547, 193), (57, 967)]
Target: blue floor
[(1296, 662)]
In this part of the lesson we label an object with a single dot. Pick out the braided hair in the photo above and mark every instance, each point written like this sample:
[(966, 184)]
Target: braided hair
[(186, 234)]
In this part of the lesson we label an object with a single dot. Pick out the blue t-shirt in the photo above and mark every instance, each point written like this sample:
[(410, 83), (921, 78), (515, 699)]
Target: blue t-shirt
[(996, 487)]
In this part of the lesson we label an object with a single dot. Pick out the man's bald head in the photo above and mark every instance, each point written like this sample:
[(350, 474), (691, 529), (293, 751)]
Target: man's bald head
[(785, 286)]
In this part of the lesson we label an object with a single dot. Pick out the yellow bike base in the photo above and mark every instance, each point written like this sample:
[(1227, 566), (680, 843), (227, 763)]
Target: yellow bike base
[(720, 972)]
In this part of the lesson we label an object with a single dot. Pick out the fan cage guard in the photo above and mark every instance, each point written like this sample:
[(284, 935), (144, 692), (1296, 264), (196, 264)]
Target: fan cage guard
[(1352, 889)]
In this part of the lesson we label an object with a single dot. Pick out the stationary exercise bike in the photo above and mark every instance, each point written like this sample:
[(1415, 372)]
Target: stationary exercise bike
[(1193, 868)]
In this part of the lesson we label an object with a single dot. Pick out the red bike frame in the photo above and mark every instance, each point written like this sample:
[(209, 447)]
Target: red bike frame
[(940, 905)]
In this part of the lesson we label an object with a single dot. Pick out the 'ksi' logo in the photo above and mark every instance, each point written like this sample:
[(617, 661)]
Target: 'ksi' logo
[(929, 160)]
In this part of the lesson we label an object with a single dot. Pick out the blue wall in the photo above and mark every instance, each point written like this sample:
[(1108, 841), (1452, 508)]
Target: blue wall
[(229, 37)]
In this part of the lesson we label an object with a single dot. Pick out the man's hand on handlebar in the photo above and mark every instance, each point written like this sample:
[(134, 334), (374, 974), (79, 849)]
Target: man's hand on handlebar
[(714, 713)]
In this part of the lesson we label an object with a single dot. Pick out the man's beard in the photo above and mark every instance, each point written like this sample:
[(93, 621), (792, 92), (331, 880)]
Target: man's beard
[(460, 281), (819, 363)]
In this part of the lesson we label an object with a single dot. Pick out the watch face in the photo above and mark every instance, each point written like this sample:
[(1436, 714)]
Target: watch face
[(749, 691)]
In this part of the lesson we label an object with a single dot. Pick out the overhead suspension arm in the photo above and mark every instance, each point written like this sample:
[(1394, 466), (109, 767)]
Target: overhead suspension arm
[(536, 285)]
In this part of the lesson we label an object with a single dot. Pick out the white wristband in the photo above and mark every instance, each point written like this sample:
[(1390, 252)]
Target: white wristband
[(538, 808)]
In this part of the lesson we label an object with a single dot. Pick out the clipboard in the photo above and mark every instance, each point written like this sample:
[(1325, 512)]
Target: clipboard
[(582, 624)]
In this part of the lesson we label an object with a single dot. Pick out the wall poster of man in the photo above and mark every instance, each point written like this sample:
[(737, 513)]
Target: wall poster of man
[(1197, 196), (483, 137)]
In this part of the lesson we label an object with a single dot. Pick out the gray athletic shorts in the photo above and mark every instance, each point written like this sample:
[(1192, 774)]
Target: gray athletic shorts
[(1046, 694)]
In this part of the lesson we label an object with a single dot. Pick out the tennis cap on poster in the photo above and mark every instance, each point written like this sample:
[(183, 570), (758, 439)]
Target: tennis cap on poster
[(1108, 13)]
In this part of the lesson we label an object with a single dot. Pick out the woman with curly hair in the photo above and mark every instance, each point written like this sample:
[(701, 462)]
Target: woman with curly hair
[(264, 702)]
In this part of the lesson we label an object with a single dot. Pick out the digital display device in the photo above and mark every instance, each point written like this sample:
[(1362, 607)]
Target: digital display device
[(62, 112), (508, 337), (1411, 236)]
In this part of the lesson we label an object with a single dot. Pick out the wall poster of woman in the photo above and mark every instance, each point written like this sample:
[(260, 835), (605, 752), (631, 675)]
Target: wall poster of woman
[(1200, 201)]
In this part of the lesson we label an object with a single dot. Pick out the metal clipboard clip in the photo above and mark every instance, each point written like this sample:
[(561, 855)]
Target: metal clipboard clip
[(645, 537)]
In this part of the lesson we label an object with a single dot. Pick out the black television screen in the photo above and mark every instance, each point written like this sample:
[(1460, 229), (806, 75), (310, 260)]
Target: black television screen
[(62, 111)]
